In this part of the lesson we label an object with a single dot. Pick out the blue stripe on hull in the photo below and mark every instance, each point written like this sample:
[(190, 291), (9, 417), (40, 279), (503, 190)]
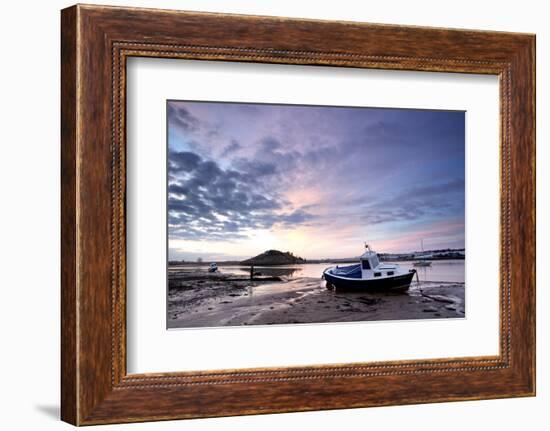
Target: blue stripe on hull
[(401, 282)]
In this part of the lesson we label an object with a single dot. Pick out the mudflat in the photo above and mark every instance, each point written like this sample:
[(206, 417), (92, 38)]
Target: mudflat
[(197, 298)]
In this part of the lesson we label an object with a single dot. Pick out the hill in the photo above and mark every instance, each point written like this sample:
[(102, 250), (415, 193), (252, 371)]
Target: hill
[(274, 257)]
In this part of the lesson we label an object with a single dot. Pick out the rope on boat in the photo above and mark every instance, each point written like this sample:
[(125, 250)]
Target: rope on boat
[(418, 282)]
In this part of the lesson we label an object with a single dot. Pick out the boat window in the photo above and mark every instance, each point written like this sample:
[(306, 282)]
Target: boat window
[(377, 274), (374, 261), (365, 263), (390, 272)]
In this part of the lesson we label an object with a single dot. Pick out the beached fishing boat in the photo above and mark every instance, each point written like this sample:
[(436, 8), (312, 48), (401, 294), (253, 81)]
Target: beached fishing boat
[(213, 267), (369, 274)]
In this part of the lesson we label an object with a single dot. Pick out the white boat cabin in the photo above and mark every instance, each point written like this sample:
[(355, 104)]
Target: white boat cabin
[(372, 268)]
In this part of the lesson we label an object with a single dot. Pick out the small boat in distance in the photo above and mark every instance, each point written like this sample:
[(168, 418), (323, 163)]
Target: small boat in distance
[(422, 259), (369, 274), (213, 267)]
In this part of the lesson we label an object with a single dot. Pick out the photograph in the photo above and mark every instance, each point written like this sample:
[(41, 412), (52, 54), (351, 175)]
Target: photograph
[(301, 214)]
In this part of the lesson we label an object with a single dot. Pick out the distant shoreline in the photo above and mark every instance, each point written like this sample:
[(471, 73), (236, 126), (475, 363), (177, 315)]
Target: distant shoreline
[(311, 262)]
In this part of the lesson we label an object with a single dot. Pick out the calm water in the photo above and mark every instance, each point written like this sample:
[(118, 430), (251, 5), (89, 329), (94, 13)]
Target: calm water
[(440, 270)]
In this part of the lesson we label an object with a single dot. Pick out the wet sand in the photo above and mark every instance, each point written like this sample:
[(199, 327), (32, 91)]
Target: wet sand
[(200, 299)]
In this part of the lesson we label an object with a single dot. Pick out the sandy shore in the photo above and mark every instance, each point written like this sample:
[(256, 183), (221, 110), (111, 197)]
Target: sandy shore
[(200, 299)]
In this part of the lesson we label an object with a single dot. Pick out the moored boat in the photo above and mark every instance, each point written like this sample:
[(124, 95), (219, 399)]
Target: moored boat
[(369, 274), (423, 259)]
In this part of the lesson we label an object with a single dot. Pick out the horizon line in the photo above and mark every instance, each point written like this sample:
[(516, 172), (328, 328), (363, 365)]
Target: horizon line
[(332, 258)]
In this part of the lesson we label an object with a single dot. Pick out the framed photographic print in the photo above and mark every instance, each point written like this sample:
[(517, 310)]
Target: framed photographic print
[(267, 215)]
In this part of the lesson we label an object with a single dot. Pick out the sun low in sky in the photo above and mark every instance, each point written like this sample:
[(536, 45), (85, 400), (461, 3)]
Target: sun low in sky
[(318, 181)]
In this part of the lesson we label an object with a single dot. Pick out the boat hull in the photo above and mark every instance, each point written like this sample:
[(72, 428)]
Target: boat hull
[(398, 283)]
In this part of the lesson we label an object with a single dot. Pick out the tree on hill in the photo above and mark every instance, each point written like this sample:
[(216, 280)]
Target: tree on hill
[(274, 257)]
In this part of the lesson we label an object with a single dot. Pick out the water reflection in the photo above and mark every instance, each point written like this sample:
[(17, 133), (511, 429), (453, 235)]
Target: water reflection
[(271, 271), (440, 270)]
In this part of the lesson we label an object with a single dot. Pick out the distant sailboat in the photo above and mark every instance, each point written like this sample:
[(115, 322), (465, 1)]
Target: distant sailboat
[(422, 259)]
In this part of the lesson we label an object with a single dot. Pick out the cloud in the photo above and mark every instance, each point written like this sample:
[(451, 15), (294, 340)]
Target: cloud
[(384, 131), (256, 168), (441, 189), (299, 216), (418, 202), (430, 134), (270, 144), (208, 202), (180, 117), (233, 147), (269, 158), (183, 161)]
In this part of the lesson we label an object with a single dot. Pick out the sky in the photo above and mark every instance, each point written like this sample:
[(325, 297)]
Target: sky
[(318, 181)]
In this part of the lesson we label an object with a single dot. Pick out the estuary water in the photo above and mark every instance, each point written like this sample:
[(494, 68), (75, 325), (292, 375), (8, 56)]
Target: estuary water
[(439, 271)]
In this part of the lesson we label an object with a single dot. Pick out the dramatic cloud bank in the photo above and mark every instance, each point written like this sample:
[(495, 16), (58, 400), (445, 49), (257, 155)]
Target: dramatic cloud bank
[(318, 181)]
